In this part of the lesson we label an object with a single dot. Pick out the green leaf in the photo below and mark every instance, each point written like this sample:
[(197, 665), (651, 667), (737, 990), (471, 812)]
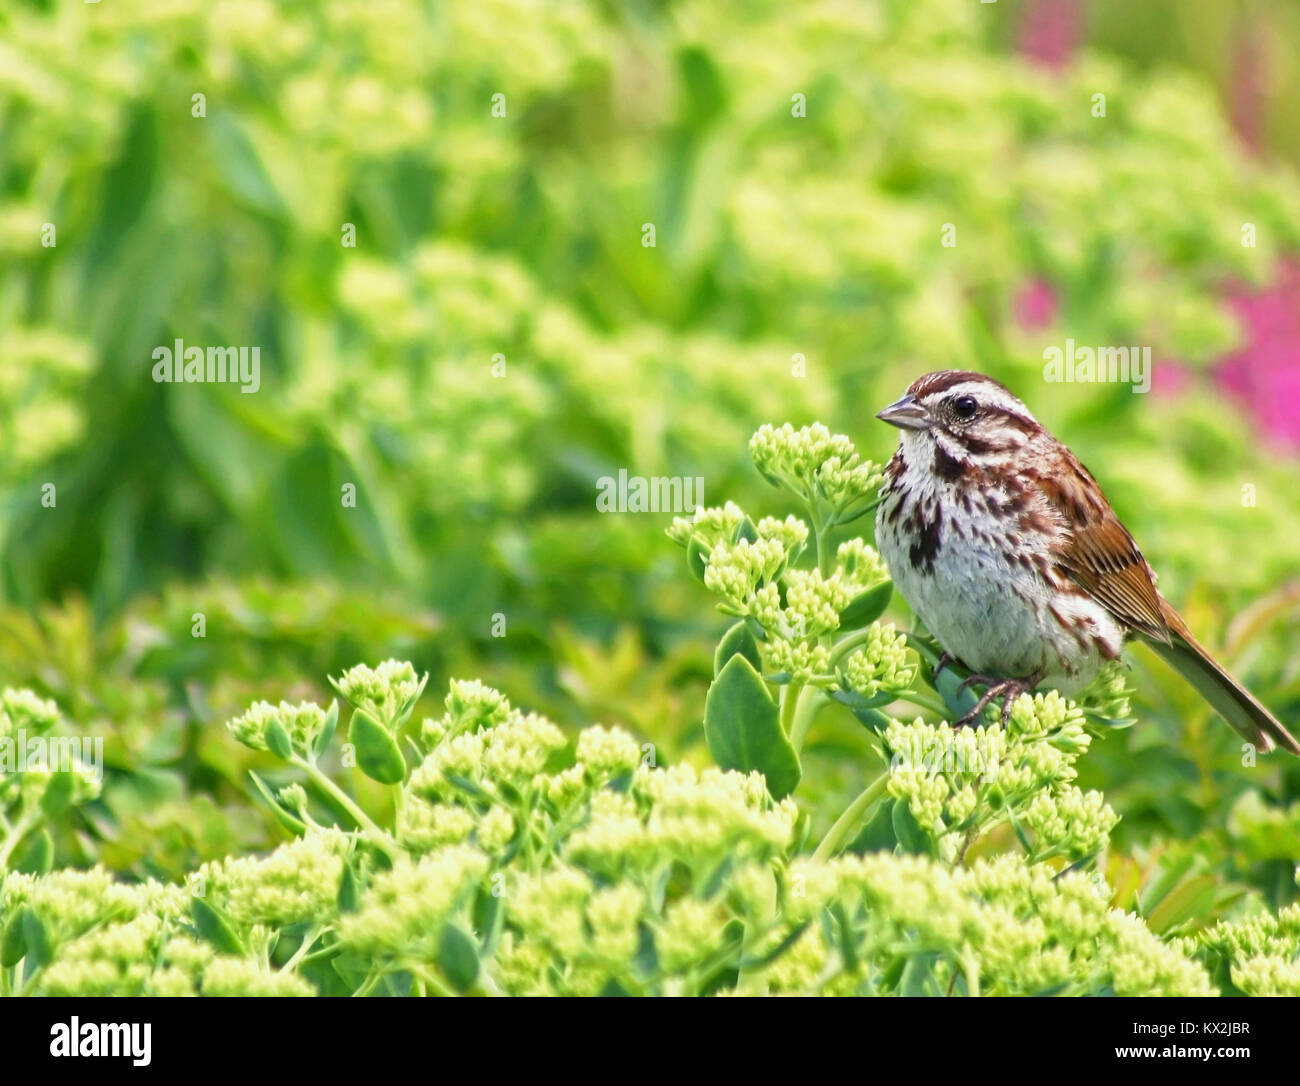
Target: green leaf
[(770, 956), (458, 958), (697, 558), (238, 165), (1188, 899), (37, 857), (737, 641), (277, 740), (327, 731), (959, 702), (212, 925), (489, 916), (866, 606), (13, 946), (705, 91), (911, 838), (745, 530), (743, 729), (58, 794), (405, 712), (878, 834), (918, 975), (872, 719), (378, 756), (349, 898), (859, 702), (285, 817), (845, 942), (37, 940)]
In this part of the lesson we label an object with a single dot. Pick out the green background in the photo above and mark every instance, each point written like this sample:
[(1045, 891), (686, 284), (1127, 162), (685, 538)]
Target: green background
[(777, 237)]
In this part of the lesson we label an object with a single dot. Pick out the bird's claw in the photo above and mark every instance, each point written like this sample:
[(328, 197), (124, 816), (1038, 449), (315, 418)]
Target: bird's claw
[(1007, 689)]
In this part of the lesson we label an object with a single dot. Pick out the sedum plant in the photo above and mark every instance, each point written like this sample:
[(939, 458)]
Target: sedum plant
[(485, 851)]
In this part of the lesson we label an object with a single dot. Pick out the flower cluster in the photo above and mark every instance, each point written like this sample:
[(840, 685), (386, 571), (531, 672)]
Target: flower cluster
[(958, 784), (999, 927), (821, 468), (279, 727), (1262, 951), (515, 862), (880, 663), (386, 692), (42, 775)]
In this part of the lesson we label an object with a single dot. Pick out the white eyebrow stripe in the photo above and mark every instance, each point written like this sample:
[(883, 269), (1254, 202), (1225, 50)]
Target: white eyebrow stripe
[(987, 393)]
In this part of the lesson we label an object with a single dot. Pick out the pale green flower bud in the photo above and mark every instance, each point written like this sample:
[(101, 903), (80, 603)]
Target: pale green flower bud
[(549, 906), (1275, 976), (404, 909), (791, 533), (820, 467), (813, 603), (859, 565), (735, 570), (385, 692), (230, 976), (422, 825), (472, 705), (882, 663), (711, 526), (250, 728), (613, 914), (496, 830), (607, 752), (565, 788), (690, 931), (21, 709), (517, 751), (800, 660)]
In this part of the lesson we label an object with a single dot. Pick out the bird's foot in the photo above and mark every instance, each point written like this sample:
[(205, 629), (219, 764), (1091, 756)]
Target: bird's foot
[(1006, 689)]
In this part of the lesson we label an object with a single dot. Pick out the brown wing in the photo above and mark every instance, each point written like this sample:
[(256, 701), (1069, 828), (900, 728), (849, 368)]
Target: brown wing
[(1097, 552)]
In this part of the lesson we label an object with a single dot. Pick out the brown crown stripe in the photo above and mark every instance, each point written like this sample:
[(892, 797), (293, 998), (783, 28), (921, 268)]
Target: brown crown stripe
[(943, 380)]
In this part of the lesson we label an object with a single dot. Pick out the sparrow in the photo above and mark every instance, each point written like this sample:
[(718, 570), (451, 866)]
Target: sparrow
[(1004, 545)]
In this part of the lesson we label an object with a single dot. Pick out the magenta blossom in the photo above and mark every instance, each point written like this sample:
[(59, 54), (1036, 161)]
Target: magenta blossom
[(1035, 305), (1264, 376), (1051, 30)]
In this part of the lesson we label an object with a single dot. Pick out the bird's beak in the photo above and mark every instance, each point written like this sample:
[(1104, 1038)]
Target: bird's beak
[(906, 414)]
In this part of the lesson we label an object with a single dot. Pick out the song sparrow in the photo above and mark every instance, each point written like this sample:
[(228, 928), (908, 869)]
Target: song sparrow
[(1005, 546)]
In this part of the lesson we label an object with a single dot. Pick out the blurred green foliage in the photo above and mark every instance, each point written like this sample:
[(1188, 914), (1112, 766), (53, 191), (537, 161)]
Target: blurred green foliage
[(799, 168)]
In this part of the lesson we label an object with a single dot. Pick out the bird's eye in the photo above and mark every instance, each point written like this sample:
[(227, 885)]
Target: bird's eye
[(964, 407)]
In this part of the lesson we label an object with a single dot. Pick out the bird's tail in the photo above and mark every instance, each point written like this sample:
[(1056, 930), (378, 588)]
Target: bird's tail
[(1237, 705)]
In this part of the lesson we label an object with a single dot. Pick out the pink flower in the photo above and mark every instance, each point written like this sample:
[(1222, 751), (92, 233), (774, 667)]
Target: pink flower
[(1169, 378), (1035, 305), (1050, 31), (1264, 376)]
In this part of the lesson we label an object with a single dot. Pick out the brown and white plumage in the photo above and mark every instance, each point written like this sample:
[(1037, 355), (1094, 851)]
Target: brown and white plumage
[(1006, 547)]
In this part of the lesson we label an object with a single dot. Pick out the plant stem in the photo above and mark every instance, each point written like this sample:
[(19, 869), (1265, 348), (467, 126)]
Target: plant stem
[(924, 701), (371, 830), (853, 814), (789, 704), (821, 531), (308, 941), (809, 701)]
